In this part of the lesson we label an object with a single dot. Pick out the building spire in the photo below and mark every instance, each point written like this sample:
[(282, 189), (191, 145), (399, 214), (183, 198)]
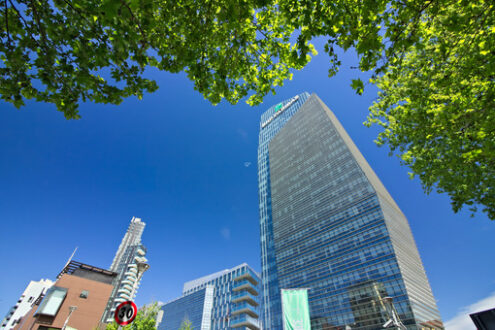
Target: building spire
[(71, 256)]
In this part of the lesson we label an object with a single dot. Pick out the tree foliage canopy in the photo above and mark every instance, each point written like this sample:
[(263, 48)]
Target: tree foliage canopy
[(437, 104), (432, 59), (56, 50)]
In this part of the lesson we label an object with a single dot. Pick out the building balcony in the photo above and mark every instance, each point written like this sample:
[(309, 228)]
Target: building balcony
[(140, 259), (128, 281), (244, 308), (245, 321), (125, 296), (125, 289), (244, 285), (124, 292), (245, 296), (130, 275), (249, 275), (132, 268)]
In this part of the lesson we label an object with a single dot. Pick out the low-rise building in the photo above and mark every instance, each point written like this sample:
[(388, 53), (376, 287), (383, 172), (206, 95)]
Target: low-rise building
[(23, 305), (224, 300), (75, 301)]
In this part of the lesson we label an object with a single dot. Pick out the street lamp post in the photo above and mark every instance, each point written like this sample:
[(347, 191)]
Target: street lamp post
[(71, 309)]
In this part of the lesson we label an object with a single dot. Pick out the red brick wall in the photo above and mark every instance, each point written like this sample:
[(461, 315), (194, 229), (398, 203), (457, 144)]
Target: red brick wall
[(89, 311)]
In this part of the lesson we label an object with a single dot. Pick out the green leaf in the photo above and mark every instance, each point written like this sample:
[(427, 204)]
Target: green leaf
[(358, 86)]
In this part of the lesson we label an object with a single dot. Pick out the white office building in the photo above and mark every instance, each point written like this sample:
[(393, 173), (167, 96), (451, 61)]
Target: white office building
[(33, 291)]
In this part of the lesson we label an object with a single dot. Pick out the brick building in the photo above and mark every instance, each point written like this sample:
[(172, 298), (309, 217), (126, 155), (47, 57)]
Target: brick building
[(77, 300)]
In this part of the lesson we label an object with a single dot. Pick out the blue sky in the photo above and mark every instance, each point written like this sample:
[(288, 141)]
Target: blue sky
[(188, 169)]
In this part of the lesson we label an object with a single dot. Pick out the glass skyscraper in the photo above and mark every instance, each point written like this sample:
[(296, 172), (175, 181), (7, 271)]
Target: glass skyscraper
[(328, 224)]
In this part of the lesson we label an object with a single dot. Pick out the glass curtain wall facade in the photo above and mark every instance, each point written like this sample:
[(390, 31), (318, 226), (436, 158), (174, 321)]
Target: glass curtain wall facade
[(329, 224), (235, 298), (194, 308), (271, 123)]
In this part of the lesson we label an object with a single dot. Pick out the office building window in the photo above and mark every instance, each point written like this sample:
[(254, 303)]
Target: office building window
[(53, 300)]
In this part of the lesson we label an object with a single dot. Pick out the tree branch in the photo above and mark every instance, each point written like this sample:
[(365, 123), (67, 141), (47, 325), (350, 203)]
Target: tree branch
[(145, 42), (19, 14), (25, 23), (38, 23), (84, 16), (7, 22)]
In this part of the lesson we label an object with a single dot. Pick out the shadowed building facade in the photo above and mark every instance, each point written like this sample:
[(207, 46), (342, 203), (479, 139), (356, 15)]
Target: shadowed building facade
[(328, 224)]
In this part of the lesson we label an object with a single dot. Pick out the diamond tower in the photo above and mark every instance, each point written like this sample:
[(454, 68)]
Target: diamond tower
[(328, 224)]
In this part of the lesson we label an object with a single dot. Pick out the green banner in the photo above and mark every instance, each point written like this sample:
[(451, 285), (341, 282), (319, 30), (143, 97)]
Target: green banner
[(295, 309)]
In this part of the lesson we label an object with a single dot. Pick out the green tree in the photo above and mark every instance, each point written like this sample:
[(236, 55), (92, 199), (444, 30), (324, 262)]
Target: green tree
[(145, 319), (437, 104), (432, 59), (56, 51), (434, 63), (186, 325)]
